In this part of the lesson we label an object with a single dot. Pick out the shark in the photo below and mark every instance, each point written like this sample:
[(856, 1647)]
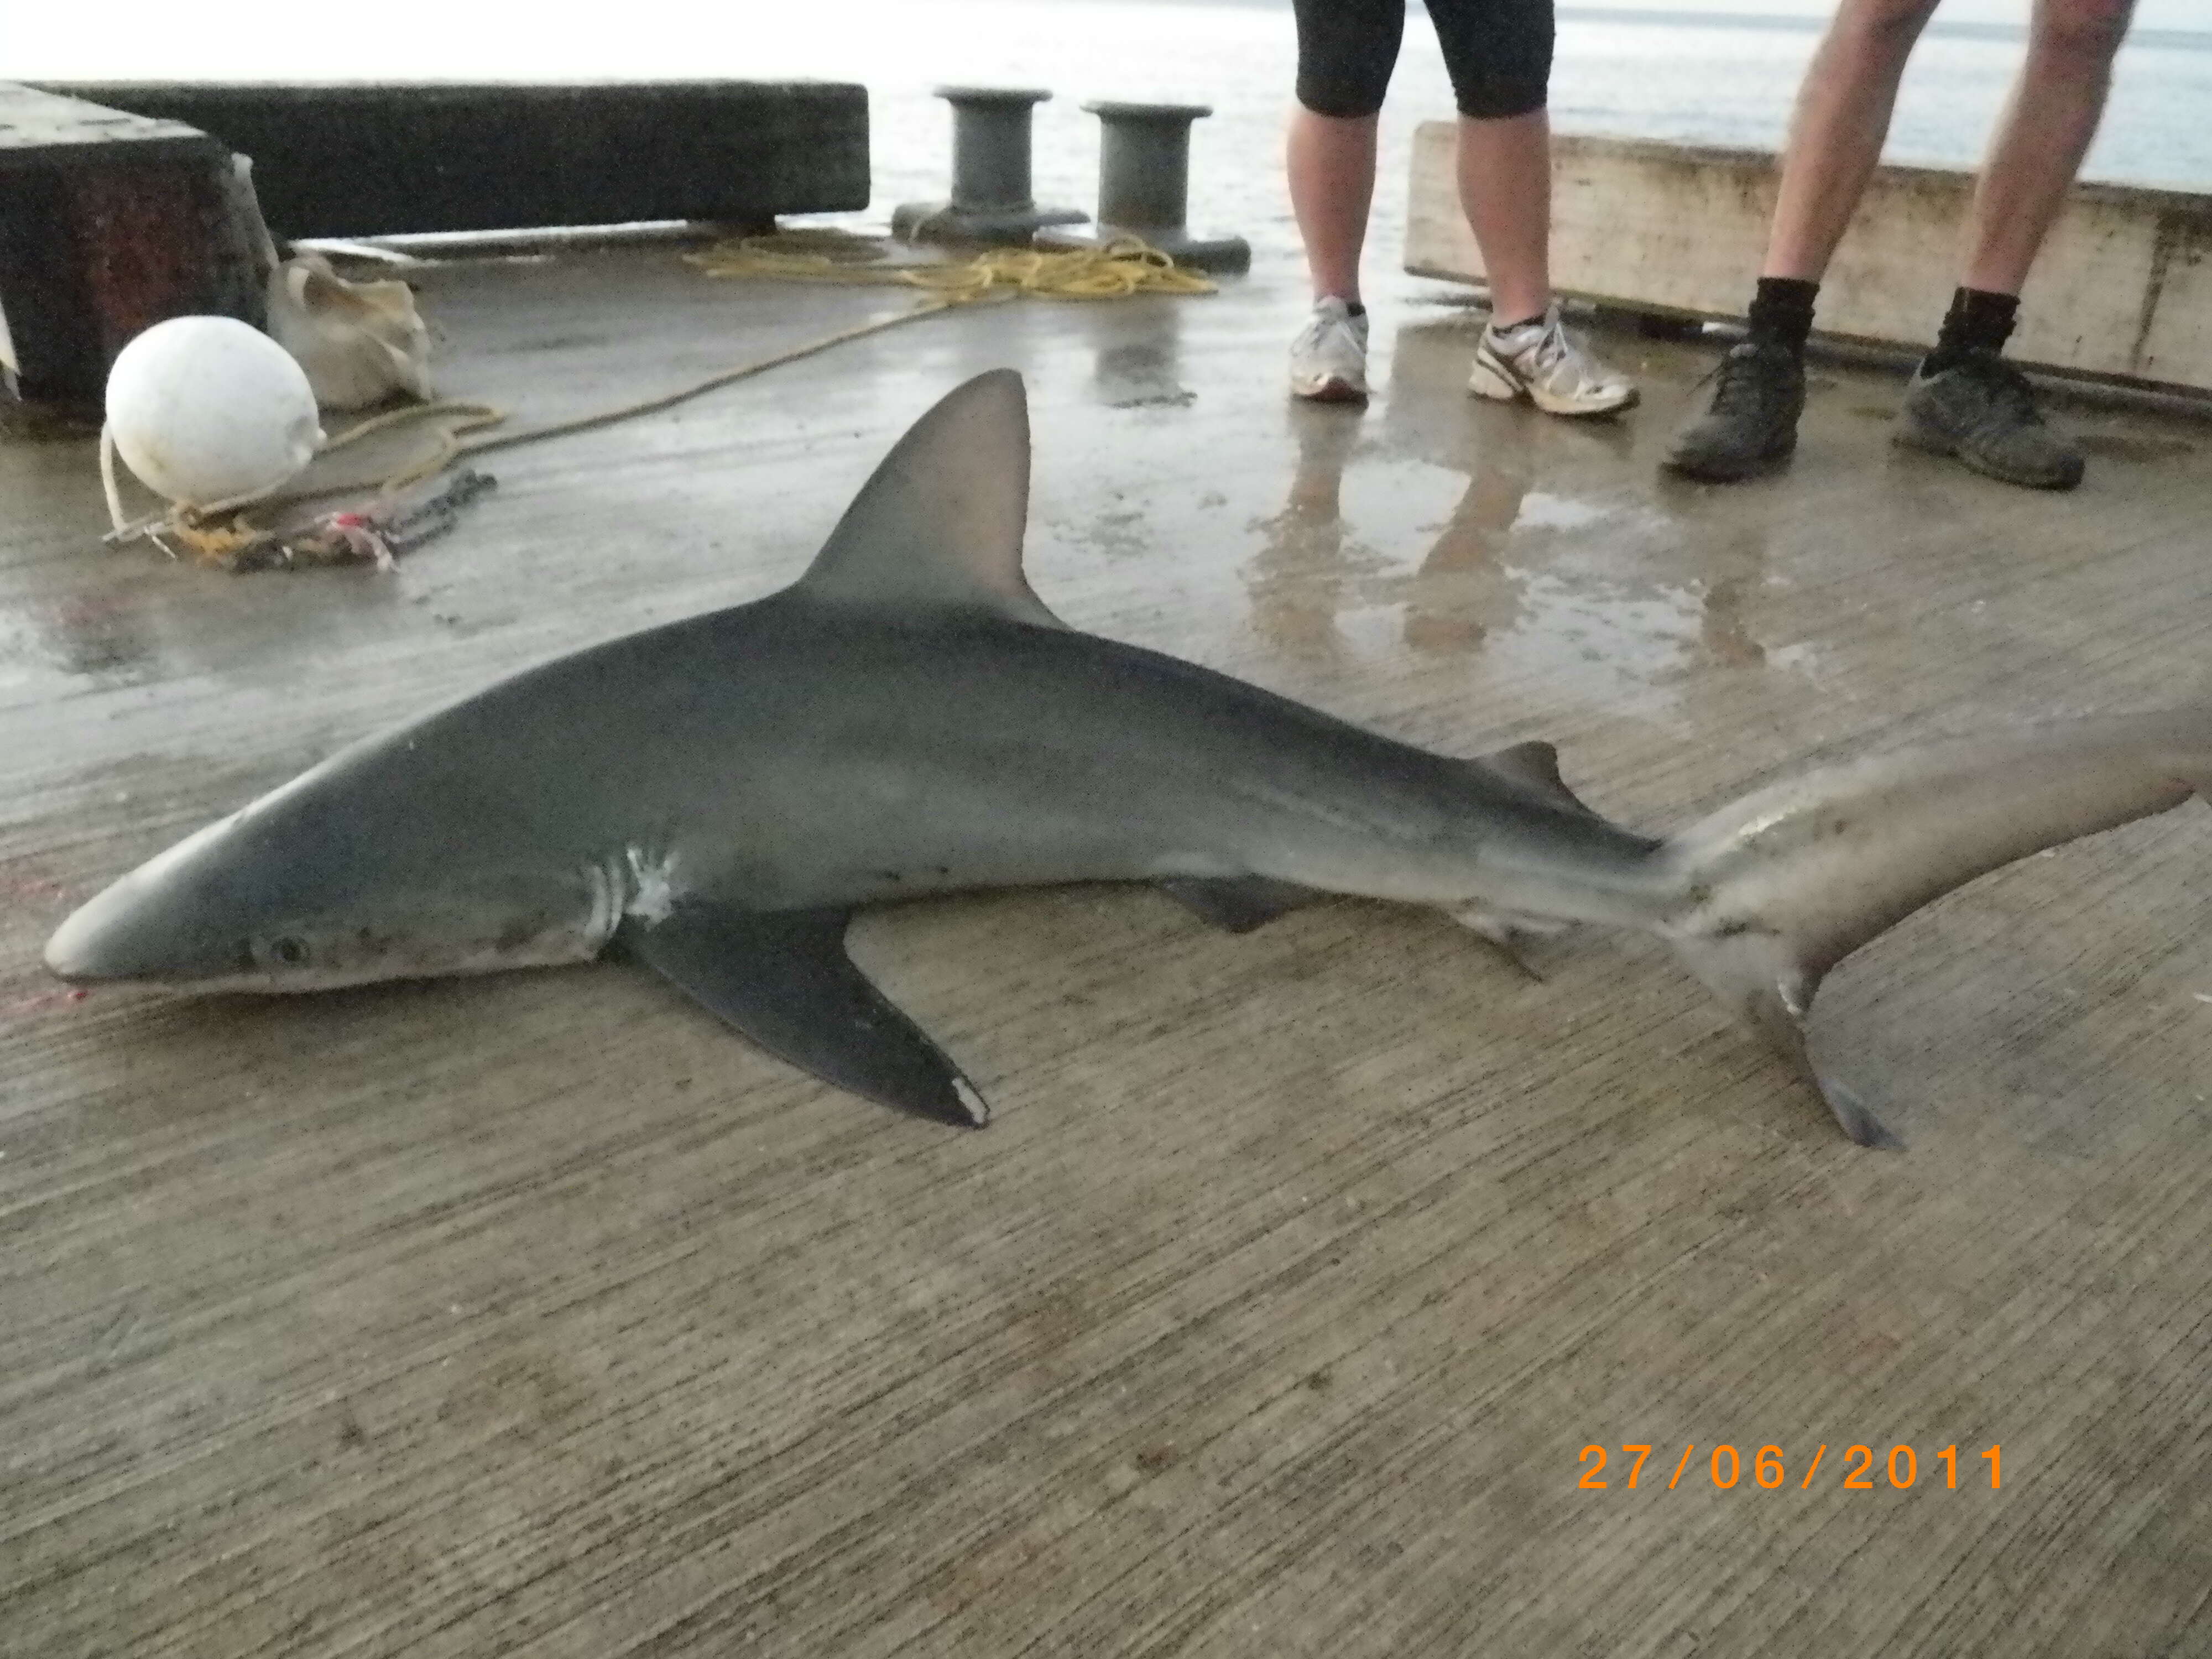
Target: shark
[(717, 797)]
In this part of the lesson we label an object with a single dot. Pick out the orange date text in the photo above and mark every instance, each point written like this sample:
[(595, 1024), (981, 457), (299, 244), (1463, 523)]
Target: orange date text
[(1856, 1469)]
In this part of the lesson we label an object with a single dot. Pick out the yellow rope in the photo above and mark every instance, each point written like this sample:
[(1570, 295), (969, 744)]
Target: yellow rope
[(203, 531), (1121, 269), (684, 394), (1127, 266)]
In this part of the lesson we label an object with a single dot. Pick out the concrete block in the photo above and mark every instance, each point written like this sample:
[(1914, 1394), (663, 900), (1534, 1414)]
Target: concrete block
[(2122, 286)]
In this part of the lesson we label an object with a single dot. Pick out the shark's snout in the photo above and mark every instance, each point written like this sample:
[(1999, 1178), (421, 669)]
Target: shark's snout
[(66, 958), (172, 920), (92, 944), (160, 922)]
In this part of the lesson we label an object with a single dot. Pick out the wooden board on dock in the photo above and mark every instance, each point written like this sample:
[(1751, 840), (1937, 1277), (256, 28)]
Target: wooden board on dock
[(375, 159), (537, 1315), (2123, 288)]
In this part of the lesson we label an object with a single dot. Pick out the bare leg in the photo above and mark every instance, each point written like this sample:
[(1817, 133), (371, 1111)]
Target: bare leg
[(2040, 140), (1331, 162), (1505, 189), (1837, 132)]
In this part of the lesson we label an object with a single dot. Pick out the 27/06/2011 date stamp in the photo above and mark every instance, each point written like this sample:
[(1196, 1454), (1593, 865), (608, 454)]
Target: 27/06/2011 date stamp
[(1769, 1466)]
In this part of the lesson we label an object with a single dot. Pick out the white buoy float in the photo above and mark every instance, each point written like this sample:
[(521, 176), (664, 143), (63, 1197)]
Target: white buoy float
[(208, 412)]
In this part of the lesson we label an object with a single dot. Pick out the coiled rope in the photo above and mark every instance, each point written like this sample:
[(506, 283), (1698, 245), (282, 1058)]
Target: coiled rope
[(1114, 271)]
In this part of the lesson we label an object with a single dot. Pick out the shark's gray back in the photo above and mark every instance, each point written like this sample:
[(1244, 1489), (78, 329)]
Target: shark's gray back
[(801, 751)]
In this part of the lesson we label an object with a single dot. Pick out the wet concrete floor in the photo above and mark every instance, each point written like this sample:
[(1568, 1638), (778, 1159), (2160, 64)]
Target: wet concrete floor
[(1276, 1310)]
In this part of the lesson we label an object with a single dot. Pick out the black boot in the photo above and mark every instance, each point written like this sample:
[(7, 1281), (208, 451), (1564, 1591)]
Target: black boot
[(1982, 410), (1758, 392)]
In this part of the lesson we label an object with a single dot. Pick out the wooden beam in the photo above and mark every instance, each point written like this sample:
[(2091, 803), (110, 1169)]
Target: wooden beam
[(385, 159)]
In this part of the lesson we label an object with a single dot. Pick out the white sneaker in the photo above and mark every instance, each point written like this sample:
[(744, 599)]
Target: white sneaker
[(1541, 361), (1328, 360)]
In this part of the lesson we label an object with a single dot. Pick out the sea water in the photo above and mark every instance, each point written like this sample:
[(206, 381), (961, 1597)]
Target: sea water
[(1721, 71)]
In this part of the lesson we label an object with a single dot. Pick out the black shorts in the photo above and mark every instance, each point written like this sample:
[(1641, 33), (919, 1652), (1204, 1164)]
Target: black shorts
[(1497, 52)]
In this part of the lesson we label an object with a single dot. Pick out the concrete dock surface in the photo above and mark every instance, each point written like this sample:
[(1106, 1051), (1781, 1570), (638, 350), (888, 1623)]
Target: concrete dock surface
[(1273, 1315)]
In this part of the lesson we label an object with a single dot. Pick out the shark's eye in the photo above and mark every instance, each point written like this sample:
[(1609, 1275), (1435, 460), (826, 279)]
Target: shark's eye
[(292, 952)]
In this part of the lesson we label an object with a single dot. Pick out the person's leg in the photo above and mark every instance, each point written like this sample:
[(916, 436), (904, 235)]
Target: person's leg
[(1331, 176), (1498, 54), (2042, 137), (1965, 399), (1505, 191), (1836, 134), (1837, 131), (1346, 50)]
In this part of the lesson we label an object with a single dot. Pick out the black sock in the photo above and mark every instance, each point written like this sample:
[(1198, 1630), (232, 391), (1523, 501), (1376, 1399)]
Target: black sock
[(1497, 327), (1782, 312), (1978, 321)]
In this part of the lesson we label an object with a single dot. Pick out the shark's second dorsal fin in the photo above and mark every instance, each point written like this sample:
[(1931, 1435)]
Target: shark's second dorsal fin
[(939, 525), (1535, 767)]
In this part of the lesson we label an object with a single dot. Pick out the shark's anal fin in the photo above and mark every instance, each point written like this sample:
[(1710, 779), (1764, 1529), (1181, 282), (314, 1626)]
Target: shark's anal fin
[(1236, 904), (1504, 930), (1753, 976), (783, 979)]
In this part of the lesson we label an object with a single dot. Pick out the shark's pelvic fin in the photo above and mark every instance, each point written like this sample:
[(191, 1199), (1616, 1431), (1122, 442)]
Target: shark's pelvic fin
[(939, 524), (783, 979), (1237, 905), (1779, 887)]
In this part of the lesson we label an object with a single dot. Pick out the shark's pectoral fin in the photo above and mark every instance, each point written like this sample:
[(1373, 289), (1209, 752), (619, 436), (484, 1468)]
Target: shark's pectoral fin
[(1237, 905), (783, 979), (1755, 976)]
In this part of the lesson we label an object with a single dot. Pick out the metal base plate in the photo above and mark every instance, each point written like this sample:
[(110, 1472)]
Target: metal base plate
[(1214, 253), (942, 221)]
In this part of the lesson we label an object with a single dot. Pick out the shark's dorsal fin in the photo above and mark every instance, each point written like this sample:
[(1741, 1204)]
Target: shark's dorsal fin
[(939, 525)]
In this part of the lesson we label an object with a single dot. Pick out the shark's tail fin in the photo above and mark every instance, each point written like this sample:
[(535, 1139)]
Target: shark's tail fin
[(1781, 885)]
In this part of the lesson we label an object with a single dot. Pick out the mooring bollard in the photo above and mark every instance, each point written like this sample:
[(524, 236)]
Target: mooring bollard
[(991, 198), (1144, 186)]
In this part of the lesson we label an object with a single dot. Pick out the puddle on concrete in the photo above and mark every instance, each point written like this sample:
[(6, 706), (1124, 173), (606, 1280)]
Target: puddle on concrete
[(1540, 511), (80, 638), (1141, 374), (1375, 557)]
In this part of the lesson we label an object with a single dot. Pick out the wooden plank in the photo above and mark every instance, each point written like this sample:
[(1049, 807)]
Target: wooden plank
[(2123, 288), (44, 130), (372, 159)]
